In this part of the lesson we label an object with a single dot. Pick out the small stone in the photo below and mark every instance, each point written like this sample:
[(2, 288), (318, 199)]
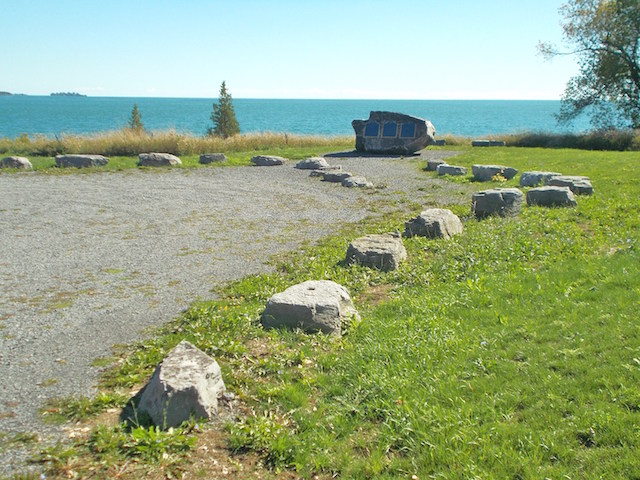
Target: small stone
[(534, 178), (80, 161), (357, 182), (505, 202), (187, 383), (314, 306), (158, 160), (434, 223), (207, 158), (313, 163), (484, 173), (551, 197), (267, 160), (383, 251), (16, 162), (446, 169)]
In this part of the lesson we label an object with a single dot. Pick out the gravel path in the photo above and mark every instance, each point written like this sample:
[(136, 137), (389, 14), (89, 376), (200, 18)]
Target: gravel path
[(91, 260)]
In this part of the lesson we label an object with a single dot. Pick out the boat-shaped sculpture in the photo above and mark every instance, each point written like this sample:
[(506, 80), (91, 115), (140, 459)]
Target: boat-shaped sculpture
[(393, 133)]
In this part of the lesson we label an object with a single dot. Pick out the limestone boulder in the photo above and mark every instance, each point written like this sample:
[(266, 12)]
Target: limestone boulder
[(313, 306), (434, 223), (551, 197), (578, 184), (446, 169), (16, 162), (207, 158), (432, 165), (158, 160), (187, 383), (313, 163), (484, 173), (80, 161), (535, 178), (505, 202), (336, 176), (356, 182), (267, 160), (382, 251)]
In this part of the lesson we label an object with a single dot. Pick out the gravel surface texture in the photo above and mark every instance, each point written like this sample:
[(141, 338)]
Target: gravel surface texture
[(92, 260)]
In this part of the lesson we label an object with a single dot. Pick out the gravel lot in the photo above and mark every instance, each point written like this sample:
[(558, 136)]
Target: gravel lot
[(91, 260)]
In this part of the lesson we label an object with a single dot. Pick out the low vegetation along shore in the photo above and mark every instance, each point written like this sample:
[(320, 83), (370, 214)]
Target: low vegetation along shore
[(128, 142), (510, 351)]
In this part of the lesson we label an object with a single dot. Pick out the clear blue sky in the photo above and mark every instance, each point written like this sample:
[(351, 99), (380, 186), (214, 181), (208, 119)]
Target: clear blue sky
[(395, 49)]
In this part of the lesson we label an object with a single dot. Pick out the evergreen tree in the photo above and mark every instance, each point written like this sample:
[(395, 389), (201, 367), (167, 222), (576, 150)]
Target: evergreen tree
[(224, 120), (135, 120)]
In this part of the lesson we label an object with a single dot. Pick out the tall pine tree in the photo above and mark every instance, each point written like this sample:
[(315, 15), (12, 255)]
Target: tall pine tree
[(135, 120), (224, 120)]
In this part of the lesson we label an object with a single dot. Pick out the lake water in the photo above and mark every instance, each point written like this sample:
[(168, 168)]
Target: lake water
[(472, 118)]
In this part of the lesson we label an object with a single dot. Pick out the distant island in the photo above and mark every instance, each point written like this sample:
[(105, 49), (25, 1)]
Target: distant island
[(67, 94), (5, 94)]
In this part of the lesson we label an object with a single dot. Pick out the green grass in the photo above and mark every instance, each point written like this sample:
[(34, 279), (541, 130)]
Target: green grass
[(511, 351)]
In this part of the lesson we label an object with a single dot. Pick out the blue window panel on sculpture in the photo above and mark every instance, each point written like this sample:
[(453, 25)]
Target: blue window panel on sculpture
[(408, 130), (371, 129), (390, 129)]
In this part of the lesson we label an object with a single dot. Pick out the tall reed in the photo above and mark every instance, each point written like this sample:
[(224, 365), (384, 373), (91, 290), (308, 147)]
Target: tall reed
[(128, 143)]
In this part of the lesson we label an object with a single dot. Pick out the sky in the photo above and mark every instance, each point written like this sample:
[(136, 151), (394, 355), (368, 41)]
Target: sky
[(335, 49)]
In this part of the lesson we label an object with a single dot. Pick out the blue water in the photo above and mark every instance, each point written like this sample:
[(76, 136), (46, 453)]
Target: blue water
[(473, 118)]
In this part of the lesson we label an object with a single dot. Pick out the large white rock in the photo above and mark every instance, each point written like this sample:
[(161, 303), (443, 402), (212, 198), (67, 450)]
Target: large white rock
[(314, 306), (434, 223), (187, 382), (505, 202), (382, 251), (158, 160), (16, 162)]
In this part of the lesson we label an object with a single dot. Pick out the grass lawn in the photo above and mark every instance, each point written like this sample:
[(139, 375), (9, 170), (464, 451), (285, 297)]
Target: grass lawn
[(511, 351)]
